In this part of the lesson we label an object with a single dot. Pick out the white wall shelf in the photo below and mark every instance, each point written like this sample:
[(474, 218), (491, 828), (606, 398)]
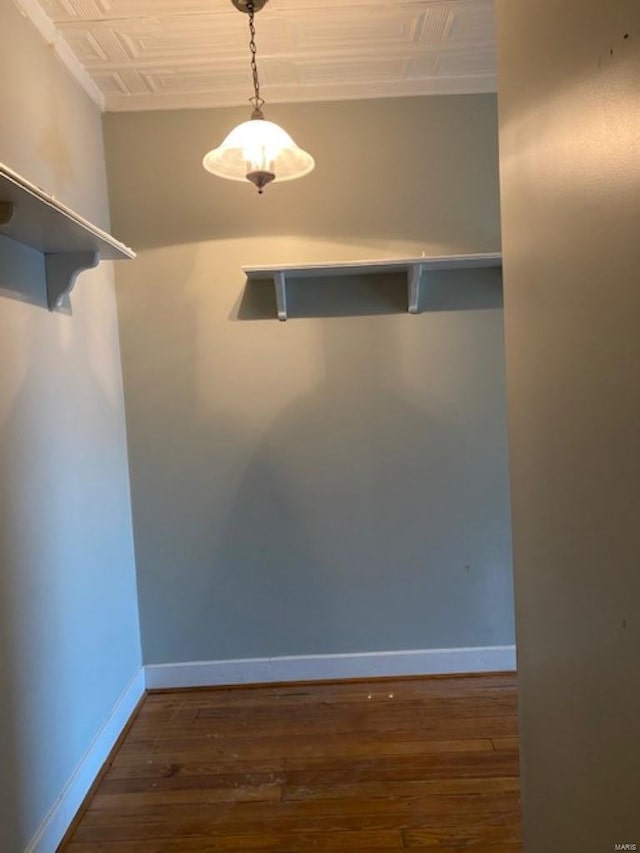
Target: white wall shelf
[(416, 270), (68, 242)]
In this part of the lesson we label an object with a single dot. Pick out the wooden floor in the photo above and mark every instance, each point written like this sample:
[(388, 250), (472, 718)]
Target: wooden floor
[(352, 766)]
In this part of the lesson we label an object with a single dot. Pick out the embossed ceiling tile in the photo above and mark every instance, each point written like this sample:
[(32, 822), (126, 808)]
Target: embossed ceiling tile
[(134, 82), (347, 27), (63, 10), (469, 62), (277, 72), (324, 6), (436, 24), (86, 47), (424, 65), (184, 52), (142, 41), (97, 10), (154, 44), (95, 47), (472, 23), (195, 36), (202, 80), (112, 83), (341, 72)]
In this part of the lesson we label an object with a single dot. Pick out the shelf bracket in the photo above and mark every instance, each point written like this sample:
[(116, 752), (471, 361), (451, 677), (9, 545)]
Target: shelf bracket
[(414, 279), (62, 269), (6, 212), (280, 281)]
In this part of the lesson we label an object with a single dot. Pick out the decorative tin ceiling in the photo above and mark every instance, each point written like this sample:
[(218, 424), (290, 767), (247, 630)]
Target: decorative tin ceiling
[(154, 54)]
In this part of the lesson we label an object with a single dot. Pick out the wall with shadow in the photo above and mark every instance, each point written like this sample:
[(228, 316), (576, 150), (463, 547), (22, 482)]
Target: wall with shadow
[(22, 273), (571, 194), (69, 635), (414, 171), (338, 482)]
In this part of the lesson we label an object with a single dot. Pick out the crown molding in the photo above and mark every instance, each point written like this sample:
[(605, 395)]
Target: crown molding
[(471, 85)]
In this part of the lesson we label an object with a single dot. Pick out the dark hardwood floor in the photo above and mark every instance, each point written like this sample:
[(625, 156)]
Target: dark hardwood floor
[(350, 766)]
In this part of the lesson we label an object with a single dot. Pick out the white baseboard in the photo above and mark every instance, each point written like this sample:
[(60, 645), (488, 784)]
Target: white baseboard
[(328, 667), (62, 812), (252, 671)]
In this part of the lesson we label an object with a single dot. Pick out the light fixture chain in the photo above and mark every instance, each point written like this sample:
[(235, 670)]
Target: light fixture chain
[(257, 101)]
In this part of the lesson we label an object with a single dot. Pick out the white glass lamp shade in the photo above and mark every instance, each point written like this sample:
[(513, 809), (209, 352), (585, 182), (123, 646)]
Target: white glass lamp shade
[(259, 151)]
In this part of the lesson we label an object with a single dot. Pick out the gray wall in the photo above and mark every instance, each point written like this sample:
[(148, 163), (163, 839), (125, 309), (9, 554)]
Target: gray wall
[(69, 639), (570, 170), (336, 483)]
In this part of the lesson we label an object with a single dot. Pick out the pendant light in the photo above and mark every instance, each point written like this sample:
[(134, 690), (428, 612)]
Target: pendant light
[(257, 150)]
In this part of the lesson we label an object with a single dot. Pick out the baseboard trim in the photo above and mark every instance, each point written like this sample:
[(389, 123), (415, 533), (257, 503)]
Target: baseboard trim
[(61, 814), (329, 667), (252, 671)]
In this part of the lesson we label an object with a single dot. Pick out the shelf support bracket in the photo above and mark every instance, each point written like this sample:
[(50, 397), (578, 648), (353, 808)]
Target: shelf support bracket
[(62, 269), (6, 212), (280, 281), (414, 279)]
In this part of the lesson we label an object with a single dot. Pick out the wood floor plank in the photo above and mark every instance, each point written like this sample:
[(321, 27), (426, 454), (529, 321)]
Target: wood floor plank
[(478, 835), (357, 746), (505, 743), (400, 725), (381, 842), (409, 788), (380, 765)]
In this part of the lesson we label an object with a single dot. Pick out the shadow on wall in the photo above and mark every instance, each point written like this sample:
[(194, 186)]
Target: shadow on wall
[(19, 542), (363, 516), (333, 532), (22, 273), (326, 510), (371, 295), (376, 163), (12, 828), (59, 483)]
